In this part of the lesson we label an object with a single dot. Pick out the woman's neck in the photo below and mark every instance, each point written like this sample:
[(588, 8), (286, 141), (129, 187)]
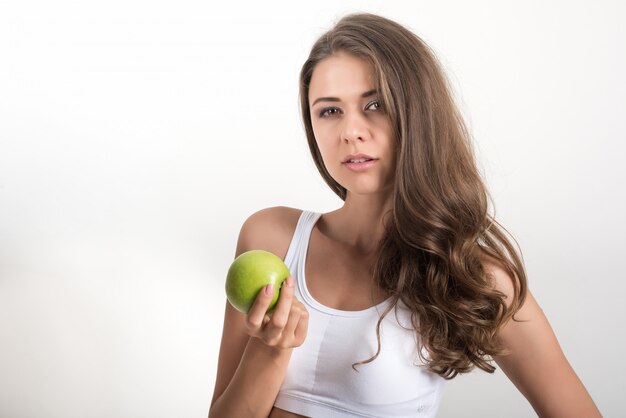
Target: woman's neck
[(358, 224)]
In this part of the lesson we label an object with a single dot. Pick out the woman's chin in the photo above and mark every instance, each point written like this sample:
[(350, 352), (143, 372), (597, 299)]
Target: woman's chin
[(367, 189)]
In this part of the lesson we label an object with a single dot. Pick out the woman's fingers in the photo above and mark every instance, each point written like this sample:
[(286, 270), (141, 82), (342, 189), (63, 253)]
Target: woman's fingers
[(286, 326), (302, 328), (278, 318), (256, 314), (282, 308), (257, 318), (297, 317)]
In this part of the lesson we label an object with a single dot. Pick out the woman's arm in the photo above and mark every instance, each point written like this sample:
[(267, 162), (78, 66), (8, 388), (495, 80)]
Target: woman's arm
[(255, 349), (536, 364), (247, 385)]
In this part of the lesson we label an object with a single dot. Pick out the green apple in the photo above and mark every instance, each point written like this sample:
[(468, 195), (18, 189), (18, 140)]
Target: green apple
[(249, 273)]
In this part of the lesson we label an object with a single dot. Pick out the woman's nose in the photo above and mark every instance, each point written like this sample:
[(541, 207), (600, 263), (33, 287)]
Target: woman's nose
[(354, 128)]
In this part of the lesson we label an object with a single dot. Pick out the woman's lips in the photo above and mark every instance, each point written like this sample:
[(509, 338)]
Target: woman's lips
[(360, 166)]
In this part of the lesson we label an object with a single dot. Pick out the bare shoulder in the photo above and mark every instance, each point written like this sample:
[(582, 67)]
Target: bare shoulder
[(269, 229)]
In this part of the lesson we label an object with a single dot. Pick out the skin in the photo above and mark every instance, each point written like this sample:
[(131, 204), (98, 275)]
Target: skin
[(351, 125), (256, 348)]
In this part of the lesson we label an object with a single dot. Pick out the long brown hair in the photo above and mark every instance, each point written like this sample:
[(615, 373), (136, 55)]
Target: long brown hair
[(439, 229)]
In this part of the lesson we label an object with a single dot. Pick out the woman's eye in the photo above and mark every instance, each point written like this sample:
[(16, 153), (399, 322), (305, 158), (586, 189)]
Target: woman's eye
[(375, 105), (332, 111), (329, 111)]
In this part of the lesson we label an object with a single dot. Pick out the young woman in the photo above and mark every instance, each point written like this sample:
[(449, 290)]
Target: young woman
[(407, 284)]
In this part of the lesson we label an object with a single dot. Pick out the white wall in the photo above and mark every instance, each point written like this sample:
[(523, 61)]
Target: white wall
[(136, 136)]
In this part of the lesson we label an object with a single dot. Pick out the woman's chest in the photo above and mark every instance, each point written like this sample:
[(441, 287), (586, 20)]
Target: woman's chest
[(339, 279), (326, 367)]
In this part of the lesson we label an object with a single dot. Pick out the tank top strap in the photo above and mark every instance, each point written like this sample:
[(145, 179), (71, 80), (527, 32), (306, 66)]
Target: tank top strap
[(300, 240)]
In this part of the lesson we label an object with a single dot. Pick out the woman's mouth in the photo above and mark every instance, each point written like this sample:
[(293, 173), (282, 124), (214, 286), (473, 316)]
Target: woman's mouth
[(360, 164)]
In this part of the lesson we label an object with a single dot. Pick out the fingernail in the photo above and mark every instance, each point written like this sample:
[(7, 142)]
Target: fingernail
[(269, 289), (290, 281)]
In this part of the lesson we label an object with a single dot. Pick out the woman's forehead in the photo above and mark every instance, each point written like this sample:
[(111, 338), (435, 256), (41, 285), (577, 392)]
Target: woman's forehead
[(341, 75)]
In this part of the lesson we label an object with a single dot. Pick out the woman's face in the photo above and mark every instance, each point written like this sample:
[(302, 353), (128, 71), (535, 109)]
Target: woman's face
[(348, 120)]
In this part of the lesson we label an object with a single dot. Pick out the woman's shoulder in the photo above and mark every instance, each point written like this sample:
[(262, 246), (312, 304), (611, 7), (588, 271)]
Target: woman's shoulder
[(269, 229)]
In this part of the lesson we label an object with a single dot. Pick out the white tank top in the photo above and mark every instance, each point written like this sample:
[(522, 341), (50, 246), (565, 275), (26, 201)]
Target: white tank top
[(320, 380)]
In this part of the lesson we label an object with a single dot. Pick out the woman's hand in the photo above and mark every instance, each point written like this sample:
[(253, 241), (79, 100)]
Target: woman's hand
[(286, 326), (255, 353)]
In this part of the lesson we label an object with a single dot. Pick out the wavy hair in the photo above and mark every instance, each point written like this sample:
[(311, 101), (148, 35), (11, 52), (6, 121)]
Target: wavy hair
[(439, 230)]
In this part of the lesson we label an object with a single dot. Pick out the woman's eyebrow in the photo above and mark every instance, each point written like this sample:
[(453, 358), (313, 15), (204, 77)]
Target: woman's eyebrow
[(336, 99)]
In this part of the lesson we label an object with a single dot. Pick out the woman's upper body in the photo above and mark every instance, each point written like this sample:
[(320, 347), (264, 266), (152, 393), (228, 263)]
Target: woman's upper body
[(413, 228), (536, 365)]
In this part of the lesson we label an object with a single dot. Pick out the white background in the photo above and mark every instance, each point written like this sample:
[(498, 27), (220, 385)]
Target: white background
[(137, 136)]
